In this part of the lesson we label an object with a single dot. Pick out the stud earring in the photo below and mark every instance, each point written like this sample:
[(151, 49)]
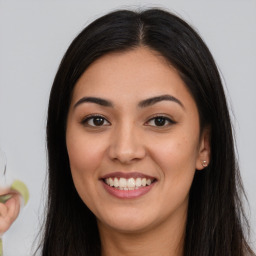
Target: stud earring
[(204, 163)]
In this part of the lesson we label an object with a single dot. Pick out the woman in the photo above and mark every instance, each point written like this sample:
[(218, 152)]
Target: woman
[(140, 145)]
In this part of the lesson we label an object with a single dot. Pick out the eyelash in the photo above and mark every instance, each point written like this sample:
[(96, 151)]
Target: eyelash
[(86, 120), (165, 118)]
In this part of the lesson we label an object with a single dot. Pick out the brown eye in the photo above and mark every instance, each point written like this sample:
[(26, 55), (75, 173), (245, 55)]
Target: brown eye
[(160, 121), (95, 121), (98, 121)]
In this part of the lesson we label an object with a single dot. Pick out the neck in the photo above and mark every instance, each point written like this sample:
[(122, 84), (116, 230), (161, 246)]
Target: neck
[(167, 239)]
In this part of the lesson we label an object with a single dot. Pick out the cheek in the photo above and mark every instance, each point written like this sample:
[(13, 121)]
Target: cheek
[(85, 153), (85, 157), (176, 158), (178, 152)]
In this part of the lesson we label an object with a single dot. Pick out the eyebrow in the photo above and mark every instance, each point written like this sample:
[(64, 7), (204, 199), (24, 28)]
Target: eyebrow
[(96, 100), (154, 100), (142, 104)]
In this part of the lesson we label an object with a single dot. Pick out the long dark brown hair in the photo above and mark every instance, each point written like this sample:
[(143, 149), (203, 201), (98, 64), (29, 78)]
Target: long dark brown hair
[(216, 224)]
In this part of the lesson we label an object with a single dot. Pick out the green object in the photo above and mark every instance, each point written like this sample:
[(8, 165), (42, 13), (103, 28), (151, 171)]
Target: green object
[(22, 189), (1, 247), (5, 198)]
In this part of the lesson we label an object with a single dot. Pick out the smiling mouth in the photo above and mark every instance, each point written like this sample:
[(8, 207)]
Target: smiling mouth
[(128, 184)]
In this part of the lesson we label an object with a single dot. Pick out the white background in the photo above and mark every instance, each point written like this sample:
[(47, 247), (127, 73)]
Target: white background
[(33, 38)]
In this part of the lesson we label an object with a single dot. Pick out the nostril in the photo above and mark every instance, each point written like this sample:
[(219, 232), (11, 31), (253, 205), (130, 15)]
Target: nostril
[(126, 155), (125, 145)]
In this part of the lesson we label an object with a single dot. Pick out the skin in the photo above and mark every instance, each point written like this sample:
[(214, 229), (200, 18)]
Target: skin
[(9, 211), (129, 140)]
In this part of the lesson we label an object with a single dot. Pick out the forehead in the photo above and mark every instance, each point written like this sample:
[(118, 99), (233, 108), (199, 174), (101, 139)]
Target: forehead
[(139, 73)]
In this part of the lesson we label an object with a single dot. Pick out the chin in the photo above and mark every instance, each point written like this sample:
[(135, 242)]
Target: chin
[(127, 222)]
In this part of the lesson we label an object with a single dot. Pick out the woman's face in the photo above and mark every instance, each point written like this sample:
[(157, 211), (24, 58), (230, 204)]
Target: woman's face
[(133, 140)]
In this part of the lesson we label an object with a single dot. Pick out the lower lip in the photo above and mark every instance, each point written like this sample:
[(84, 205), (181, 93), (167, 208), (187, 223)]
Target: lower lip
[(127, 194)]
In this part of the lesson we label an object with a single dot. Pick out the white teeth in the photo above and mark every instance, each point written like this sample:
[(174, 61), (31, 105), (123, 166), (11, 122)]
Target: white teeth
[(116, 182), (128, 184), (131, 183), (148, 182), (122, 183), (144, 182), (138, 182), (111, 182)]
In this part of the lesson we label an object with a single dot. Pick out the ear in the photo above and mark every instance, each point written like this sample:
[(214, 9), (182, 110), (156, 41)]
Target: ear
[(204, 150)]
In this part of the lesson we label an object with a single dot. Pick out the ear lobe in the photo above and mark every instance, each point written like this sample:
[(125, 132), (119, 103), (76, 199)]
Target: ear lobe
[(204, 152)]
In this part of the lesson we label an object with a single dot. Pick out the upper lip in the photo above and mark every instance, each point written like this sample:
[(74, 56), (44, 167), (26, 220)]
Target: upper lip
[(127, 175)]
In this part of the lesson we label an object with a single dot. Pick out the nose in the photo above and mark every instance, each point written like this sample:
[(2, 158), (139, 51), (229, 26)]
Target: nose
[(126, 145)]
